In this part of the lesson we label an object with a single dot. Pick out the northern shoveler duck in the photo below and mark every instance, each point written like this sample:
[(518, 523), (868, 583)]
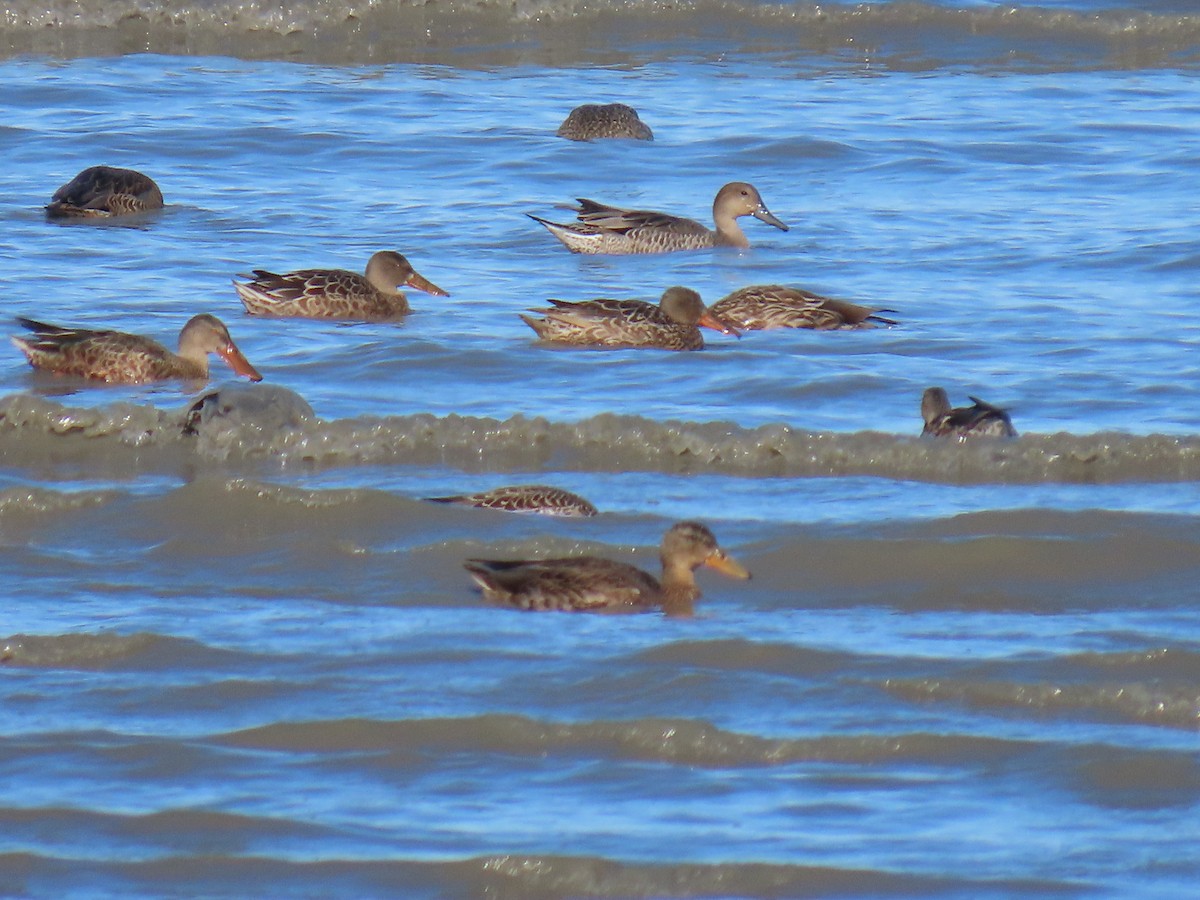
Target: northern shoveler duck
[(608, 120), (764, 306), (672, 325), (102, 192), (582, 583), (533, 498), (609, 229), (120, 358), (982, 419), (336, 293)]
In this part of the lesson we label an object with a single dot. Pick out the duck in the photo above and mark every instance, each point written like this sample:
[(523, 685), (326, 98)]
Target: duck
[(336, 293), (980, 420), (763, 306), (592, 583), (593, 121), (119, 358), (528, 498), (609, 229), (671, 325), (103, 192)]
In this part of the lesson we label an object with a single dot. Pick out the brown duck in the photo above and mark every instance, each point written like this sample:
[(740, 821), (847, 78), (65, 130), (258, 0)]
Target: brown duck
[(980, 420), (102, 192), (763, 306), (582, 583), (529, 498), (593, 121), (671, 325), (120, 358), (610, 229), (336, 293)]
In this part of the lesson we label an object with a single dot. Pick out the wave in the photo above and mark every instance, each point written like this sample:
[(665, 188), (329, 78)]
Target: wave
[(564, 31), (239, 425), (683, 742), (516, 876)]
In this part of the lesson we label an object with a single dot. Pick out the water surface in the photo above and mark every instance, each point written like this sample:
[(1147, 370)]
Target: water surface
[(251, 655)]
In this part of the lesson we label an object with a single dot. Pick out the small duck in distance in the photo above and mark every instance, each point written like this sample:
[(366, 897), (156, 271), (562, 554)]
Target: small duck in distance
[(119, 358), (592, 583), (618, 324), (336, 293), (765, 306), (609, 229), (593, 121), (102, 192), (525, 498), (980, 420)]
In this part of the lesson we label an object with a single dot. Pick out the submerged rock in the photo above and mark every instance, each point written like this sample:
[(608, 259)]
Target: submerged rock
[(260, 407)]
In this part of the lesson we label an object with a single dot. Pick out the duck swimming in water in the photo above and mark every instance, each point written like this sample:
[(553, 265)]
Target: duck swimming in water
[(103, 192), (120, 358), (592, 583), (980, 420), (336, 293), (526, 498), (594, 121), (764, 306), (671, 325), (610, 229)]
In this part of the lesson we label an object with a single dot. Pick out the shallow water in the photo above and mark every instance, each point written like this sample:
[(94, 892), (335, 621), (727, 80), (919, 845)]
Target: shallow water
[(250, 655)]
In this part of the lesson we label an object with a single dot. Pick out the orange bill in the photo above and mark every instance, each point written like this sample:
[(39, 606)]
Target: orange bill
[(236, 361), (726, 564), (708, 320), (421, 283)]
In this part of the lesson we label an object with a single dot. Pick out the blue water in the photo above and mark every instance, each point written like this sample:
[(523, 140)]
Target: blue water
[(225, 669)]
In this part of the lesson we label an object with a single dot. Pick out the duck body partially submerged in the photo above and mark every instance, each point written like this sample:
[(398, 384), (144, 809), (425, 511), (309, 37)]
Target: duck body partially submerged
[(103, 192), (592, 583)]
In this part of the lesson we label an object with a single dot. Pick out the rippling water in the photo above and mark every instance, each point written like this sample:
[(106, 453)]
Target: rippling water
[(249, 655)]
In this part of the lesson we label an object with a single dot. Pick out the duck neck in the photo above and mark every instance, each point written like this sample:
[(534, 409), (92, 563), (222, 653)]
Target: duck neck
[(679, 589), (192, 363), (729, 233)]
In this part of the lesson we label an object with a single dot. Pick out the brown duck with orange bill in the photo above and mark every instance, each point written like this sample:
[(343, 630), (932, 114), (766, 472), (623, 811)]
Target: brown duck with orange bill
[(120, 358), (585, 583), (336, 293), (671, 325)]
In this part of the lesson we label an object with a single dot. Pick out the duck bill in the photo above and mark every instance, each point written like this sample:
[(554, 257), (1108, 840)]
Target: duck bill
[(240, 365), (727, 565), (708, 320), (765, 215), (421, 283)]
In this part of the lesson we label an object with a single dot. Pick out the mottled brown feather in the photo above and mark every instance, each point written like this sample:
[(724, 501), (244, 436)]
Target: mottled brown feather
[(104, 191), (670, 325), (120, 358), (601, 228), (766, 306), (335, 293), (525, 498), (590, 583), (980, 420)]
